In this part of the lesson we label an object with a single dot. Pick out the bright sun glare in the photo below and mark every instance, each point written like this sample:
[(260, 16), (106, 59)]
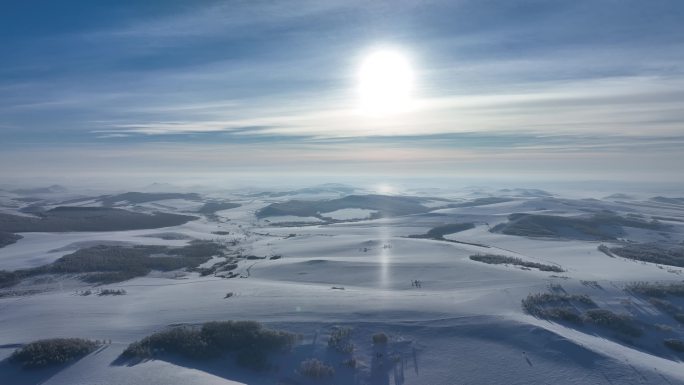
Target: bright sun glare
[(385, 83)]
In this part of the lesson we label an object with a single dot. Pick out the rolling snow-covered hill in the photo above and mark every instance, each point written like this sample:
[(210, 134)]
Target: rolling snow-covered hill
[(449, 319)]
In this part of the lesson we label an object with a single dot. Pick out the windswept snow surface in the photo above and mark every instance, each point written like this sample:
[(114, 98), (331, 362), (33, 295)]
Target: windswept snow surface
[(463, 325)]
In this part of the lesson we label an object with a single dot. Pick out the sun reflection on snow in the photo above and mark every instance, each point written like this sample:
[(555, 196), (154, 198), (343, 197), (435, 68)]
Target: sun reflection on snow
[(384, 255)]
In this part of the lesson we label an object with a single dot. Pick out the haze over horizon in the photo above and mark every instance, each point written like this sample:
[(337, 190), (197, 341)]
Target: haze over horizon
[(525, 90)]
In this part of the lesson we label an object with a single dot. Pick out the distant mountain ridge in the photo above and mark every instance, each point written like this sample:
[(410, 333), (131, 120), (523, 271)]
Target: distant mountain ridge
[(385, 205), (672, 201), (334, 188), (55, 188)]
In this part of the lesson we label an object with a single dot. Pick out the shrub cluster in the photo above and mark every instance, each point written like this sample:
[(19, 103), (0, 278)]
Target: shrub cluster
[(559, 313), (534, 304), (502, 259), (592, 284), (112, 292), (350, 363), (605, 250), (564, 307), (658, 292), (54, 351), (669, 308), (8, 278), (314, 368), (340, 340), (664, 305), (617, 322), (674, 344), (380, 339), (227, 265), (248, 340), (657, 289)]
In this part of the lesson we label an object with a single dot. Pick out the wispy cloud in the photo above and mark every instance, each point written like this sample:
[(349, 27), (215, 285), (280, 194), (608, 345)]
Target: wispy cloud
[(275, 82), (617, 105)]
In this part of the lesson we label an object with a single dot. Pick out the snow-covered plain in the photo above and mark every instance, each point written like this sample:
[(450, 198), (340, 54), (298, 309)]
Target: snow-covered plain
[(463, 325)]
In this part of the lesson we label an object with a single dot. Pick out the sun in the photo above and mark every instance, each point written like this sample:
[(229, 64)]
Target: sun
[(385, 82), (385, 189)]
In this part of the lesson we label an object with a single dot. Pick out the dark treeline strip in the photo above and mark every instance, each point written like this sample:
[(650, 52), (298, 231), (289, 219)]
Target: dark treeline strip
[(8, 238), (61, 219), (672, 255), (440, 231), (110, 264), (504, 260)]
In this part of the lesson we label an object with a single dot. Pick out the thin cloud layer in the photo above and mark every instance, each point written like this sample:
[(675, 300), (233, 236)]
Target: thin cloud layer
[(582, 75)]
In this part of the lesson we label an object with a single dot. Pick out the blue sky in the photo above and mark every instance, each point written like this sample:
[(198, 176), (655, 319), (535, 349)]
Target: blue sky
[(562, 89)]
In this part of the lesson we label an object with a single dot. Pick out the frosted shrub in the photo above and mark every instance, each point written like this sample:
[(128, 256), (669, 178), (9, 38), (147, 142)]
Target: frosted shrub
[(314, 368)]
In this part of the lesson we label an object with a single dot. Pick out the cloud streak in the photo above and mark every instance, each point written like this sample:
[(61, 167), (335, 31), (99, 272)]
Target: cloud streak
[(275, 82)]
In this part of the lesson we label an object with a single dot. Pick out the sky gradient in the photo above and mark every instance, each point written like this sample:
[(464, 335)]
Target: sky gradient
[(565, 90)]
